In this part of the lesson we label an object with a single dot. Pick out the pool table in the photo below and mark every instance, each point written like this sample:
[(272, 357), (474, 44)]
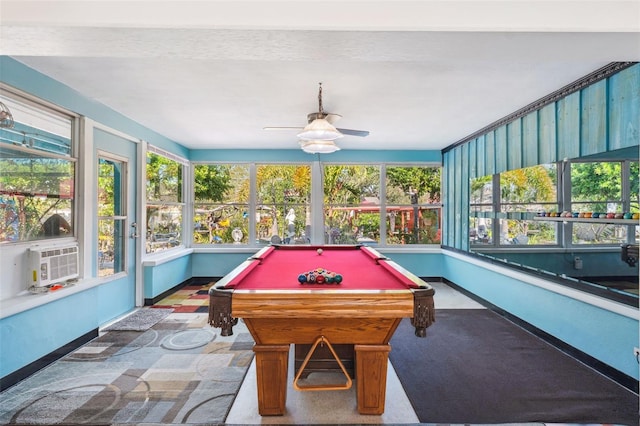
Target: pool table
[(363, 310)]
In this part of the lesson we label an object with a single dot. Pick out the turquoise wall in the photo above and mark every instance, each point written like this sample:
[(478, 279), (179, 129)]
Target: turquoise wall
[(601, 118), (165, 276), (32, 334), (297, 155)]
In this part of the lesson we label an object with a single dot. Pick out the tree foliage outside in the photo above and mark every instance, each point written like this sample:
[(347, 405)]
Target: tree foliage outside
[(33, 189), (284, 196), (597, 183), (165, 203), (424, 182), (595, 187), (352, 204), (346, 188), (523, 192), (221, 195), (598, 187)]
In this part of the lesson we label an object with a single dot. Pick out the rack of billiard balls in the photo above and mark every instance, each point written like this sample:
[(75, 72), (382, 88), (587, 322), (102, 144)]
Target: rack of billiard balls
[(319, 276)]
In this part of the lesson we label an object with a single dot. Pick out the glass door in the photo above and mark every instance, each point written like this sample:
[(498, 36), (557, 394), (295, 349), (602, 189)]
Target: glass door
[(112, 218), (115, 231)]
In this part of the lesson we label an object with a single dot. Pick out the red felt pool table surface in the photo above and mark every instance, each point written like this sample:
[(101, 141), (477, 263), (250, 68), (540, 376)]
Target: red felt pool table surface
[(361, 268)]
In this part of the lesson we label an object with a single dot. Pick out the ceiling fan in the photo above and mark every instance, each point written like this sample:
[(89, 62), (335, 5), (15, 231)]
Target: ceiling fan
[(318, 136)]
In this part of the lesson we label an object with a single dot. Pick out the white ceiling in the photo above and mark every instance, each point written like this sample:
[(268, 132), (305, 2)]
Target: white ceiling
[(416, 74)]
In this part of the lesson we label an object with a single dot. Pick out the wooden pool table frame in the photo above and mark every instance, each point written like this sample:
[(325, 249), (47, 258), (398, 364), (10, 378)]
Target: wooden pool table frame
[(366, 319)]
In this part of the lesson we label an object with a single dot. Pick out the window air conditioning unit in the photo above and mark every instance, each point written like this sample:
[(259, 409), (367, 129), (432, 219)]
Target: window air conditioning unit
[(53, 265)]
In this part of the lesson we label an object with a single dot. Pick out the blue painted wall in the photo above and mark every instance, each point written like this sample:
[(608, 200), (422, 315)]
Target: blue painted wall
[(32, 334), (165, 276), (296, 155)]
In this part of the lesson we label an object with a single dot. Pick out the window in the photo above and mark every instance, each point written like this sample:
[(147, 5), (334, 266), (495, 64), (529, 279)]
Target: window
[(283, 212), (221, 207), (405, 210), (597, 188), (481, 208), (37, 173), (357, 204), (513, 198), (503, 206), (111, 216), (165, 202), (523, 193), (413, 205), (351, 204)]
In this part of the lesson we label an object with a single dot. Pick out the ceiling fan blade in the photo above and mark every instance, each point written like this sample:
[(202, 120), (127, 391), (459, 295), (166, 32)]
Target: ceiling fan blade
[(350, 132)]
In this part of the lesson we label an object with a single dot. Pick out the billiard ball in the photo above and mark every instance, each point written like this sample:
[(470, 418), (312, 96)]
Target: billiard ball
[(302, 278), (319, 251), (337, 279)]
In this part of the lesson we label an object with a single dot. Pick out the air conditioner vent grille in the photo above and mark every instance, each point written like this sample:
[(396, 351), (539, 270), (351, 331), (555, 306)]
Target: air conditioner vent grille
[(50, 266)]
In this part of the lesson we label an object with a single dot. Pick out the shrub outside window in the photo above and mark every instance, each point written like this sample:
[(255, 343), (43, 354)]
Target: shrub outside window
[(38, 173), (165, 203)]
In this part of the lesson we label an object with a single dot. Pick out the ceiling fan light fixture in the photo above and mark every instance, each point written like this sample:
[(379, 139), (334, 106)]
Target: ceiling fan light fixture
[(319, 146), (320, 130)]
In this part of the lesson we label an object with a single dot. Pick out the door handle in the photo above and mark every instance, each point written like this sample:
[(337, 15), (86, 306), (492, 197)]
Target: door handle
[(134, 230)]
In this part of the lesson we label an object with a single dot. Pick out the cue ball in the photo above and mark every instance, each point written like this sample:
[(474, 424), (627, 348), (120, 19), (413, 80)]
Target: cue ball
[(319, 251)]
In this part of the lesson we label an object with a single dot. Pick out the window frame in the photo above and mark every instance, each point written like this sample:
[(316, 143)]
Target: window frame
[(317, 195), (184, 239), (564, 197), (44, 108)]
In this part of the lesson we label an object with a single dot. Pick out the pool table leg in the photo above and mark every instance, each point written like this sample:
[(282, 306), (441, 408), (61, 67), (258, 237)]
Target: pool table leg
[(371, 373), (272, 368)]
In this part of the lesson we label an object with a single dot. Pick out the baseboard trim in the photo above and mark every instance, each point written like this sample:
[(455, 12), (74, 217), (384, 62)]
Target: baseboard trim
[(616, 375), (17, 376)]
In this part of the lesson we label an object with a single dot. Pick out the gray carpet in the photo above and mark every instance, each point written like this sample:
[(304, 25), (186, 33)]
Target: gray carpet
[(140, 320), (477, 367)]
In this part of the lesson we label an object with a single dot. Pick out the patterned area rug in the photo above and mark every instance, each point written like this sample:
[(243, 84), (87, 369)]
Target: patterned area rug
[(190, 298), (178, 371), (140, 320)]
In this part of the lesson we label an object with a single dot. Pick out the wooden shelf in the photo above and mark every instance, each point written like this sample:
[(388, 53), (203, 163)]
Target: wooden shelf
[(588, 220)]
